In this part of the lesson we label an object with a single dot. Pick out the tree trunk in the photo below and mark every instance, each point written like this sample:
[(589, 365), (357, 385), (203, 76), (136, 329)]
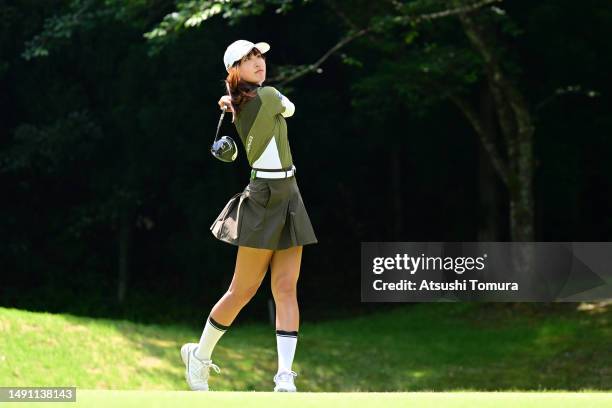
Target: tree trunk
[(124, 252), (515, 123), (490, 201), (396, 195), (521, 191)]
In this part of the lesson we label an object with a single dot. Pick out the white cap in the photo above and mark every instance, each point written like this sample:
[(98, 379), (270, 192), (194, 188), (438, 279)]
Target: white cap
[(239, 48)]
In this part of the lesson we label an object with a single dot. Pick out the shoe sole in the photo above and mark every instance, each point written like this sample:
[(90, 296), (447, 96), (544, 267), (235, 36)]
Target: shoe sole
[(284, 389)]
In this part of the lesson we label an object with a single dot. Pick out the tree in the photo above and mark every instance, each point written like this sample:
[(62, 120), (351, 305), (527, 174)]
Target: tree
[(512, 159)]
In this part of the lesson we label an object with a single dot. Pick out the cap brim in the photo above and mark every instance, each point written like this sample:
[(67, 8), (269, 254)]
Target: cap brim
[(262, 47)]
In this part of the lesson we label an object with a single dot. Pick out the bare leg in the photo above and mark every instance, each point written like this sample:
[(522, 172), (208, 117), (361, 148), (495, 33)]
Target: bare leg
[(285, 265), (251, 267)]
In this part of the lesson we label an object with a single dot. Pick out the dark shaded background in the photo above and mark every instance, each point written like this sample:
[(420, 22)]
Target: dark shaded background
[(98, 140)]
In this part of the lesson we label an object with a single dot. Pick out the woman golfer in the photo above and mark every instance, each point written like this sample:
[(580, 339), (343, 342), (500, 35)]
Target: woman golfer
[(267, 220)]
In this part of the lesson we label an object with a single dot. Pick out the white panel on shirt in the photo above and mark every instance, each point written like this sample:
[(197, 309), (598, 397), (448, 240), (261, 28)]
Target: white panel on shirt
[(269, 159)]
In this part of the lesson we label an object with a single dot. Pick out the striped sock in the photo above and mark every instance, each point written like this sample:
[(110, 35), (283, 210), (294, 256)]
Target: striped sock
[(210, 336), (285, 345)]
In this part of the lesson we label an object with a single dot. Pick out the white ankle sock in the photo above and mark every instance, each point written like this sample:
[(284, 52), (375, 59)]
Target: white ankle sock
[(285, 345), (210, 336)]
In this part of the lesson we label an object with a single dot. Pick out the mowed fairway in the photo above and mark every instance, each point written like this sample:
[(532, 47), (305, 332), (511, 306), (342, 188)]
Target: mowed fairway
[(439, 355), (176, 399)]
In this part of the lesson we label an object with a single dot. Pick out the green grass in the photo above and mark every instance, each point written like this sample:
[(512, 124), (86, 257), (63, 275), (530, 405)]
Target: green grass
[(425, 347), (189, 399)]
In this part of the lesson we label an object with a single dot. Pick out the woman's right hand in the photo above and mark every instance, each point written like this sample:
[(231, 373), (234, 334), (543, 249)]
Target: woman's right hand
[(225, 101)]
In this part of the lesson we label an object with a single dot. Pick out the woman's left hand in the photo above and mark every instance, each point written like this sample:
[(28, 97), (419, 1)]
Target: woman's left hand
[(226, 101)]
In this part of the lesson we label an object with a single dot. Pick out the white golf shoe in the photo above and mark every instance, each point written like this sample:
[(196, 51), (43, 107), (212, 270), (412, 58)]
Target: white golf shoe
[(284, 381), (196, 370)]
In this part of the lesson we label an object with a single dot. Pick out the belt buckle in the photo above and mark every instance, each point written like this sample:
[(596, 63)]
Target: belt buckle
[(253, 174)]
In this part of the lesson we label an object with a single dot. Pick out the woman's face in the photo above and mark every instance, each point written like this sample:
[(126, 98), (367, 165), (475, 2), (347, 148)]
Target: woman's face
[(253, 68)]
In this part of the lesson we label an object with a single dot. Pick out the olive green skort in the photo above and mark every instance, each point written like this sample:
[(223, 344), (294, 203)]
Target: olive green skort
[(268, 213)]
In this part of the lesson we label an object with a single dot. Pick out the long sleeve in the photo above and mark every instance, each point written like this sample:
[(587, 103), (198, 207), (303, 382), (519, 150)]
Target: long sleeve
[(275, 102), (289, 106)]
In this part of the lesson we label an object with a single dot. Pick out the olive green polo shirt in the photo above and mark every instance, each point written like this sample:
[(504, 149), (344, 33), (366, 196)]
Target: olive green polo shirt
[(263, 130)]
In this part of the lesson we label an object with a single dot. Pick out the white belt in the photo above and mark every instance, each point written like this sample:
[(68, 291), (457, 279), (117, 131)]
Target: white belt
[(273, 174)]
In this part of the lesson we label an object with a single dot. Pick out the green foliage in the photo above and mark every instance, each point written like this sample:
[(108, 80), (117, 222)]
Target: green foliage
[(142, 131), (410, 36), (91, 14), (46, 149), (348, 60), (60, 27), (419, 77), (193, 13), (499, 17)]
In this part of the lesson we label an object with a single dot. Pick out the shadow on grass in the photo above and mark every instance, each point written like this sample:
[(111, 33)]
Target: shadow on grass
[(435, 347)]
